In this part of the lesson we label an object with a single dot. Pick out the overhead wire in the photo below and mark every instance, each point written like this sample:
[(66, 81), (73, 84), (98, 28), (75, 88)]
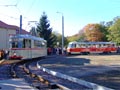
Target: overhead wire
[(9, 5), (28, 11)]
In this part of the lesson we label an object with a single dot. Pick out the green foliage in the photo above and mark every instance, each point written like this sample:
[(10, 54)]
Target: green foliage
[(72, 38), (53, 40), (44, 30), (78, 37), (81, 37), (104, 30), (114, 32), (33, 31), (59, 39)]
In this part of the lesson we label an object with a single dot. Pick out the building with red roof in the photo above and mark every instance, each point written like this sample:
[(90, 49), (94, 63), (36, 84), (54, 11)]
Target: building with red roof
[(5, 31)]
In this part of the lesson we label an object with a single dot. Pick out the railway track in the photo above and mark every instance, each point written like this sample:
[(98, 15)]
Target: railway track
[(19, 70)]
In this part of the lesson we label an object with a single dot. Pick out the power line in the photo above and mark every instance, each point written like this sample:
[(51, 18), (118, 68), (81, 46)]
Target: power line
[(8, 16), (18, 9), (30, 7), (8, 5)]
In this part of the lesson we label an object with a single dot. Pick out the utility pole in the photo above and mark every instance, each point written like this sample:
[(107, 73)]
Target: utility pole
[(20, 31), (62, 32)]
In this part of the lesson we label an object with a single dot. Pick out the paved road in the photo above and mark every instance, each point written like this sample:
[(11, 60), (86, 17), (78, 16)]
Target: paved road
[(81, 67)]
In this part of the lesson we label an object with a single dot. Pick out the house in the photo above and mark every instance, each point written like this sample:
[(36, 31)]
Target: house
[(7, 30)]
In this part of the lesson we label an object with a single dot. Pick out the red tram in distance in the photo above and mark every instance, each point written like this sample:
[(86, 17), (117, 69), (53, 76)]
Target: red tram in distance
[(91, 47)]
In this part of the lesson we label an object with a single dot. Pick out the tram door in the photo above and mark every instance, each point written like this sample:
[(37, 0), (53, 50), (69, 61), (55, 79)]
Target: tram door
[(27, 48)]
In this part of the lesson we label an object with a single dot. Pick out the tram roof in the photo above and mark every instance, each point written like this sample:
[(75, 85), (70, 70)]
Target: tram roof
[(26, 36), (92, 42)]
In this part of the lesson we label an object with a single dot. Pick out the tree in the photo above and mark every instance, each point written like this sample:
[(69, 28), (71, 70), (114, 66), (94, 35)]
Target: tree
[(44, 30), (53, 40), (73, 38), (81, 37), (33, 31), (59, 40), (104, 30), (94, 32), (114, 32)]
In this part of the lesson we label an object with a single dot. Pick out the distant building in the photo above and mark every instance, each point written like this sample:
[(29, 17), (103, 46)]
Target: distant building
[(7, 30)]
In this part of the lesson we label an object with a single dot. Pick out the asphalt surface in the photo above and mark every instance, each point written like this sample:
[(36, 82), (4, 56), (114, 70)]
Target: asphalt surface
[(75, 66)]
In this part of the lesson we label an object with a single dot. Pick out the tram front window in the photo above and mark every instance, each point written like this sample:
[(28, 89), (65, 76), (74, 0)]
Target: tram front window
[(14, 44), (71, 45)]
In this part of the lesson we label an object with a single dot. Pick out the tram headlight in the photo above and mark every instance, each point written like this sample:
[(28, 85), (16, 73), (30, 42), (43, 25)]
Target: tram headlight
[(68, 49), (14, 54)]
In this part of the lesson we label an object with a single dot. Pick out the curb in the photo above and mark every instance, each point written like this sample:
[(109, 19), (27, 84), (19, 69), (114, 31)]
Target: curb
[(73, 79)]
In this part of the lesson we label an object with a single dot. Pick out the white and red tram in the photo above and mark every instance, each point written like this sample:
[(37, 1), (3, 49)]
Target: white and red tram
[(91, 47), (26, 47)]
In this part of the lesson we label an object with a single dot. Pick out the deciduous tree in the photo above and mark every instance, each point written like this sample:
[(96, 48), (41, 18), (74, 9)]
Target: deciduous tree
[(114, 32), (93, 32)]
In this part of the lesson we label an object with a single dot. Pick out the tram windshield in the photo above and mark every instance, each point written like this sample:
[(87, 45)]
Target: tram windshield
[(71, 45), (13, 43)]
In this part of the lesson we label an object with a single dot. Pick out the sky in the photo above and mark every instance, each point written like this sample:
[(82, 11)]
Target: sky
[(77, 13)]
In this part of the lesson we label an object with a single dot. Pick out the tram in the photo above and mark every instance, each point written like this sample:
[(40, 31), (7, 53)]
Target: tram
[(91, 47), (26, 47)]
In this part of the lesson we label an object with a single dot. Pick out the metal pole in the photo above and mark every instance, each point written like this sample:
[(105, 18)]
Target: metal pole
[(20, 32), (62, 34)]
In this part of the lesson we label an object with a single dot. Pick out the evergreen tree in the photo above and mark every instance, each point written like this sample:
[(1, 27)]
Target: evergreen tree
[(44, 30), (33, 31)]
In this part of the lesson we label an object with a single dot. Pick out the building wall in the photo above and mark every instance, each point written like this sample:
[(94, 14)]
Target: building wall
[(4, 37)]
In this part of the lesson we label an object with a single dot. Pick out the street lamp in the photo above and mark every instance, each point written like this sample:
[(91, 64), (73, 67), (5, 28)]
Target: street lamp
[(62, 31)]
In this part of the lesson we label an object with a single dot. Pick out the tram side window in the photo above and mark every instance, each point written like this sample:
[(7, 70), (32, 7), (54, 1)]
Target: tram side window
[(77, 45), (26, 43), (105, 45), (83, 45), (37, 44), (100, 45), (112, 45)]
